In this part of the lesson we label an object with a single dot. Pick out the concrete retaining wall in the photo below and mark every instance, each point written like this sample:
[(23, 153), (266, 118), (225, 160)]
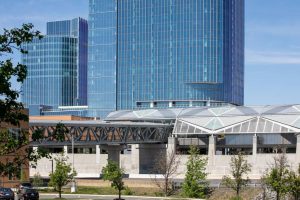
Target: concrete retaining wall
[(87, 166)]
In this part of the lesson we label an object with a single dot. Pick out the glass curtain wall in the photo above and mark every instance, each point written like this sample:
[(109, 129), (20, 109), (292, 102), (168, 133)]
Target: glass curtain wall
[(172, 53), (102, 57), (52, 72)]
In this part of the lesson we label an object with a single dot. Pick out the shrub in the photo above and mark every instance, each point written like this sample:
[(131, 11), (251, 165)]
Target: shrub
[(128, 191), (236, 198)]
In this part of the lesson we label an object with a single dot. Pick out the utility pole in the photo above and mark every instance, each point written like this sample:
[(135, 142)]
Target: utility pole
[(73, 187)]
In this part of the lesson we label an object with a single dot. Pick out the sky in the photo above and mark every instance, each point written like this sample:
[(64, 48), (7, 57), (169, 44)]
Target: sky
[(272, 41)]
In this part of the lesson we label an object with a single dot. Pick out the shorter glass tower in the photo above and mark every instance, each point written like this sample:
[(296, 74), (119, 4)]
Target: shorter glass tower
[(57, 66)]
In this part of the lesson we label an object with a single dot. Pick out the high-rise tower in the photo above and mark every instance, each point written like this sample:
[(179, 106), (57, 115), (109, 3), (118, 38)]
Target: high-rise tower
[(57, 66), (165, 53)]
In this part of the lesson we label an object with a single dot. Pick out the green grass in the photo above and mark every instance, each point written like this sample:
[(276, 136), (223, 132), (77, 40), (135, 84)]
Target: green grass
[(136, 191), (107, 191), (217, 194), (96, 190)]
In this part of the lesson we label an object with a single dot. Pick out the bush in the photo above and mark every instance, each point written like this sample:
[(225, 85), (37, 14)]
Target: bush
[(236, 198), (128, 191), (158, 194)]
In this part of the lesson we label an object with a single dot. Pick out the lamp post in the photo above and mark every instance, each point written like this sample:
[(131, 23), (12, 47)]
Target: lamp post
[(73, 187), (52, 166)]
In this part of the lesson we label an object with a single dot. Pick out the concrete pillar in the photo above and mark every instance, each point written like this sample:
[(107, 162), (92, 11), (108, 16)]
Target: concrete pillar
[(171, 146), (254, 146), (98, 154), (113, 152), (211, 150), (298, 148), (208, 103), (254, 149), (66, 150), (135, 159), (151, 104)]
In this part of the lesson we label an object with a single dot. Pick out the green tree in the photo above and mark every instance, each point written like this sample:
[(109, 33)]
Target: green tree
[(239, 169), (62, 175), (12, 112), (112, 172), (11, 41), (277, 177), (195, 184), (294, 183)]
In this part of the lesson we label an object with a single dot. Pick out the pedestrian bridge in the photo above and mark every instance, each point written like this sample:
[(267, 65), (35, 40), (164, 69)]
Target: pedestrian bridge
[(99, 132)]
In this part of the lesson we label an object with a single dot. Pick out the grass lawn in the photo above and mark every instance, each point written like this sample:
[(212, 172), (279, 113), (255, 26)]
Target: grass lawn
[(217, 194), (109, 191), (225, 193)]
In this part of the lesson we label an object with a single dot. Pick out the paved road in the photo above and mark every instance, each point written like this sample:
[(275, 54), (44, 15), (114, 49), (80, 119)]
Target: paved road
[(98, 197)]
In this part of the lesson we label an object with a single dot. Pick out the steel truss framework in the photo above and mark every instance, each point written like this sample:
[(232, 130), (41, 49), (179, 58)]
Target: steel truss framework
[(103, 134)]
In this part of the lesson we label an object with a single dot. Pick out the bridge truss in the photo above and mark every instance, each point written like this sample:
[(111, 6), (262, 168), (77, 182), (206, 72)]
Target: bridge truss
[(89, 133)]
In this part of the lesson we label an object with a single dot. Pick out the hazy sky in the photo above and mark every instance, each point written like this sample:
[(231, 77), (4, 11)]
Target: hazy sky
[(272, 41)]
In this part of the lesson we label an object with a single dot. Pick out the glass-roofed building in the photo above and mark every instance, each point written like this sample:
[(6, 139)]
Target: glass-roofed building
[(234, 128), (136, 138)]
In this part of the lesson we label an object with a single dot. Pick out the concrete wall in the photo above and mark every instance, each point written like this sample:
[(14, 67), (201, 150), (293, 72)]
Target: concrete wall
[(84, 164), (221, 165), (141, 161), (87, 167)]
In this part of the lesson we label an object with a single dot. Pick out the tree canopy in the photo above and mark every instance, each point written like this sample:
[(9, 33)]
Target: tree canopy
[(195, 184), (11, 41), (239, 169), (62, 175), (15, 141), (294, 183), (112, 172), (277, 177)]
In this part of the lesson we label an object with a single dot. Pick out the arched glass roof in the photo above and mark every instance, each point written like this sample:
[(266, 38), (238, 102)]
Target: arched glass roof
[(221, 120)]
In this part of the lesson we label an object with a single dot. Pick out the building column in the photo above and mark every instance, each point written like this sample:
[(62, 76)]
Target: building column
[(66, 150), (254, 145), (135, 158), (171, 146), (211, 150), (151, 104), (298, 148), (113, 152), (254, 148), (98, 154)]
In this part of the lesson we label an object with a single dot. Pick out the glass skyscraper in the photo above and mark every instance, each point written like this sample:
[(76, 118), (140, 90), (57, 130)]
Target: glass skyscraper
[(165, 53), (102, 60), (57, 66)]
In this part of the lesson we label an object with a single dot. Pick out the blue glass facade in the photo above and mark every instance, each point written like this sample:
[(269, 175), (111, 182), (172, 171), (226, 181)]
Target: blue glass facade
[(102, 57), (57, 66), (165, 53)]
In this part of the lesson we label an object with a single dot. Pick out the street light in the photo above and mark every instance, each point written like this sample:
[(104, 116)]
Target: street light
[(73, 187)]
